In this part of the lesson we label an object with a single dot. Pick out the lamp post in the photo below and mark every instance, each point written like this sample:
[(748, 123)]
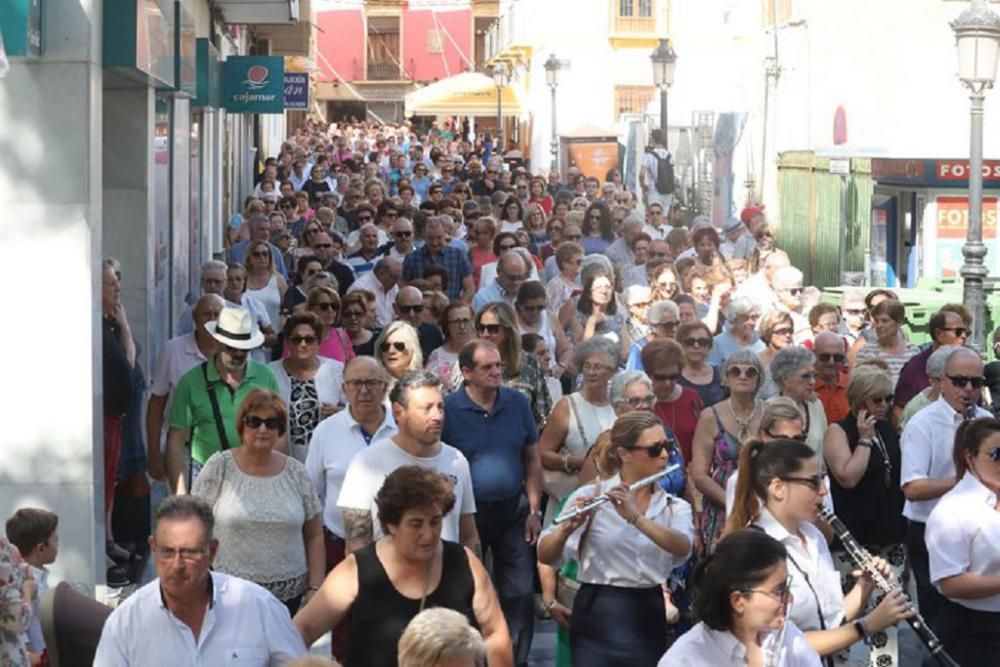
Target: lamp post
[(500, 79), (664, 60), (977, 35), (552, 67)]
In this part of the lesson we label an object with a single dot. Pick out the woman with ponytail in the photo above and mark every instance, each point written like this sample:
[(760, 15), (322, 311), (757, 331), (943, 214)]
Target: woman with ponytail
[(623, 548), (779, 490), (743, 592)]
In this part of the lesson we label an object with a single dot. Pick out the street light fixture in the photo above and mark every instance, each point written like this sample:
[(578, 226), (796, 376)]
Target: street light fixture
[(552, 67), (977, 35), (664, 60), (500, 79)]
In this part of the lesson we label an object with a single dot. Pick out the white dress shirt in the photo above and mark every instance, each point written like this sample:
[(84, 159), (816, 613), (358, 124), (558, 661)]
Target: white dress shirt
[(178, 356), (657, 233), (701, 646), (811, 568), (927, 444), (384, 314), (334, 443), (243, 625), (963, 535), (618, 554)]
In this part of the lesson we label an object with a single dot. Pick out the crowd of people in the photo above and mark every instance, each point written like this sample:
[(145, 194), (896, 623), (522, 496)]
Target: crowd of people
[(389, 411)]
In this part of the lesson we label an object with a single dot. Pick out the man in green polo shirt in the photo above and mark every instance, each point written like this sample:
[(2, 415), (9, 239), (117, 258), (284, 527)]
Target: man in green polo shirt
[(230, 375)]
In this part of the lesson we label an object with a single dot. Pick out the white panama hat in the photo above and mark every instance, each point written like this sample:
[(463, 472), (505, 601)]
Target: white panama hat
[(237, 329)]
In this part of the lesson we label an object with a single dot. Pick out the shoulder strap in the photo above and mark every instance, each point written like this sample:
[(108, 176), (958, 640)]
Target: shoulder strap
[(579, 424), (210, 390)]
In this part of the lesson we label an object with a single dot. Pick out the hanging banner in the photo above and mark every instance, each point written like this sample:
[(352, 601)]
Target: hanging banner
[(253, 84), (296, 90)]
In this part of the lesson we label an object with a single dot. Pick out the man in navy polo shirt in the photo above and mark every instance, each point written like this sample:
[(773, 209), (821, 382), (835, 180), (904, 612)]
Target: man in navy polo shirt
[(494, 428)]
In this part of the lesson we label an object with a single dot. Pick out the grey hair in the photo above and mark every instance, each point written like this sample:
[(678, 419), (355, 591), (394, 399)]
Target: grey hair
[(437, 635), (739, 307), (622, 381), (658, 309), (216, 264), (632, 221), (321, 278), (186, 507), (744, 358), (936, 362), (780, 408), (411, 380), (596, 345), (788, 360)]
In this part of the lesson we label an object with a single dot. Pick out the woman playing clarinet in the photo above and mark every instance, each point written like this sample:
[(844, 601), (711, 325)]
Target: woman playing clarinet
[(963, 543), (625, 548), (779, 490)]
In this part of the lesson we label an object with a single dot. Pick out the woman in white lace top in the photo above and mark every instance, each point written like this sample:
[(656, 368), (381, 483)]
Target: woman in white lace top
[(267, 514)]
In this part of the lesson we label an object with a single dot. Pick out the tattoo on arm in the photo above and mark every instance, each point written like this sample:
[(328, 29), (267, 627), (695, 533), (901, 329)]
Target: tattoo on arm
[(358, 529)]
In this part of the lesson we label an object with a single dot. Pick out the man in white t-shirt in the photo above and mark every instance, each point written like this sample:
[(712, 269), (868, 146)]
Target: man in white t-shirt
[(418, 409), (650, 166)]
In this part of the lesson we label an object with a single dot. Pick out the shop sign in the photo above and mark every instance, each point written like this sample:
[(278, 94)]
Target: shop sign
[(958, 170), (253, 84), (953, 217), (296, 90)]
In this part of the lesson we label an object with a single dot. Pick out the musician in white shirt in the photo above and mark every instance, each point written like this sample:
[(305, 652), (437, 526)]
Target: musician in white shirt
[(625, 548), (785, 474), (927, 467), (963, 542), (742, 597)]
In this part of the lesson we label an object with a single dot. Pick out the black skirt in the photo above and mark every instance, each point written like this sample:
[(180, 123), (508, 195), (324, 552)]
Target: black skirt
[(613, 626), (971, 637)]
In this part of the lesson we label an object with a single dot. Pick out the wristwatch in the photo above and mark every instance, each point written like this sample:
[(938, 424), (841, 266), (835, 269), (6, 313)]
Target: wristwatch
[(862, 629)]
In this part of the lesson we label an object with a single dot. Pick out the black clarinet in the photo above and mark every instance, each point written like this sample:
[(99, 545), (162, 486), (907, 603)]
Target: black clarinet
[(863, 559)]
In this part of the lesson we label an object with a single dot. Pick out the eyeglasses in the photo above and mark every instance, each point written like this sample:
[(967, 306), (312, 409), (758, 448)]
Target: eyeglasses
[(665, 377), (595, 368), (289, 206), (327, 305), (826, 357), (658, 255), (364, 218), (854, 312), (534, 309), (882, 400), (491, 329), (370, 385), (299, 340), (749, 372), (655, 212), (960, 332), (800, 437), (263, 254), (187, 555), (255, 422), (353, 314), (641, 401), (402, 234), (808, 376), (503, 247), (322, 246), (669, 326), (961, 381), (417, 308), (310, 231), (794, 291), (782, 594), (399, 345), (782, 331), (654, 450), (814, 482), (461, 321), (697, 342)]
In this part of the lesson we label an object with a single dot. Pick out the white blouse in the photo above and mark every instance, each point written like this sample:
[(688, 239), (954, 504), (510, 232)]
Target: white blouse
[(811, 568), (616, 553), (702, 646), (963, 535)]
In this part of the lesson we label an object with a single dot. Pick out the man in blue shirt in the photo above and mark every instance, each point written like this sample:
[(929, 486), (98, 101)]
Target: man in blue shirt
[(260, 230), (511, 274), (495, 430), (435, 252)]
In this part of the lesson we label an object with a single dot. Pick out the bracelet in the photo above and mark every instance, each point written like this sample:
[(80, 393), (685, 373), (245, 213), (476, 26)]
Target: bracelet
[(634, 519), (861, 627), (865, 442), (565, 461), (547, 606)]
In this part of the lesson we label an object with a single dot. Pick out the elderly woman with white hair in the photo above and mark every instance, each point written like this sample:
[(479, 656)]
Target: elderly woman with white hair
[(793, 371), (662, 321), (397, 350), (742, 315), (440, 637)]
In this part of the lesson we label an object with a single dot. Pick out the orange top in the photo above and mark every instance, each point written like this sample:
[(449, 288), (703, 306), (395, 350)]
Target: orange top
[(834, 398)]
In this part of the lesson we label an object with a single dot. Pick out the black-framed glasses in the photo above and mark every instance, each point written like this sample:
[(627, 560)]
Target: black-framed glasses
[(665, 377), (503, 247), (399, 345), (814, 482), (572, 237), (782, 594), (187, 555), (254, 422), (782, 331), (855, 312), (827, 357), (800, 437), (322, 246), (794, 291), (669, 326), (299, 340), (960, 332), (641, 401), (654, 450), (961, 381), (491, 329), (402, 234), (370, 384), (416, 308), (749, 372), (882, 400)]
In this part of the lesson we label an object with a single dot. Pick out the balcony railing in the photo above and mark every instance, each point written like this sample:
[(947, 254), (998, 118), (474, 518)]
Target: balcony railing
[(383, 70), (510, 29), (635, 24)]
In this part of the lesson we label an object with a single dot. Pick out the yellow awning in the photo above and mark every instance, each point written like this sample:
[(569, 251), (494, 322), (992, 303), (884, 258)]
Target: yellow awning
[(465, 94)]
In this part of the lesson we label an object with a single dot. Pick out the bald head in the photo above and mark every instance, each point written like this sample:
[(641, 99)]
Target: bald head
[(206, 309), (409, 305), (963, 367)]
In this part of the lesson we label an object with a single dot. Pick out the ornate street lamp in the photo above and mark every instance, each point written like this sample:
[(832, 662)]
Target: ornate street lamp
[(664, 60), (500, 79), (977, 35), (552, 67)]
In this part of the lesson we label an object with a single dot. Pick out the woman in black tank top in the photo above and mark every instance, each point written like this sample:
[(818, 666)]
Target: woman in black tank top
[(380, 588)]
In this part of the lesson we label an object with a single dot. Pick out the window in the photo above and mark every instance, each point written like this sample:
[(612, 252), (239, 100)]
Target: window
[(383, 48), (635, 16), (632, 99), (435, 41)]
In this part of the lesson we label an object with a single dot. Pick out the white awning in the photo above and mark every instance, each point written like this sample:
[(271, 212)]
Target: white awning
[(465, 94)]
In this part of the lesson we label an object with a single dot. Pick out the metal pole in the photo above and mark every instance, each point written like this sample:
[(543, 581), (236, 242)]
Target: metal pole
[(554, 147), (663, 115), (974, 271), (499, 146)]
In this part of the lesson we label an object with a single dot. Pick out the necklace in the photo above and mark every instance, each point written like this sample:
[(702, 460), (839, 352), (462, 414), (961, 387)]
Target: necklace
[(743, 424)]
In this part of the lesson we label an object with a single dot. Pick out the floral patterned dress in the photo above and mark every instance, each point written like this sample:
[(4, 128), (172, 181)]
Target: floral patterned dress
[(725, 458), (15, 614)]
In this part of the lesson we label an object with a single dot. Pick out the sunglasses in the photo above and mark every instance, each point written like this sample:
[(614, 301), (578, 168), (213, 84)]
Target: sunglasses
[(664, 377), (697, 342), (399, 345), (826, 357), (262, 255), (961, 381), (418, 308), (641, 401), (882, 400), (323, 245), (658, 255), (254, 422), (327, 305), (573, 237), (800, 437), (794, 291), (289, 206), (299, 340), (654, 450), (507, 246), (814, 482), (960, 332), (534, 309), (782, 331), (669, 326), (402, 235), (364, 218), (749, 372), (491, 329)]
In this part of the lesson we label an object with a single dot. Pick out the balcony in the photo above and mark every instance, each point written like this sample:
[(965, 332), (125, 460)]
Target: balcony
[(383, 70), (508, 39)]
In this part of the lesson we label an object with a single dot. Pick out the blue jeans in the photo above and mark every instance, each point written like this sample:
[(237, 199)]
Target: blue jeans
[(501, 533)]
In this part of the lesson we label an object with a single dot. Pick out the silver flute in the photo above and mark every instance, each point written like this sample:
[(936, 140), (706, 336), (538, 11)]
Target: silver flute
[(603, 498), (776, 651)]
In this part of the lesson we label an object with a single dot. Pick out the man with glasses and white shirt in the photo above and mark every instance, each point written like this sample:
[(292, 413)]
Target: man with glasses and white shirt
[(382, 281), (927, 470)]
